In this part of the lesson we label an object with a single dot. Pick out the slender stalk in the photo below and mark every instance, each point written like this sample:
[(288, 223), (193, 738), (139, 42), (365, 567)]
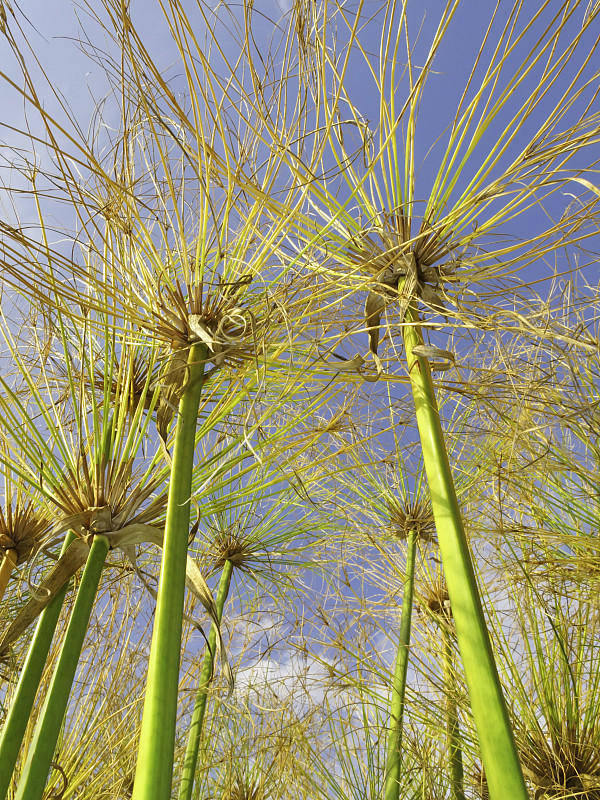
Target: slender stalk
[(452, 728), (20, 709), (39, 757), (498, 750), (193, 745), (394, 756), (154, 771), (8, 564)]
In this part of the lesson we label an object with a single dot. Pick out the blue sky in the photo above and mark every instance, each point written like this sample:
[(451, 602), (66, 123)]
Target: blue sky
[(53, 28)]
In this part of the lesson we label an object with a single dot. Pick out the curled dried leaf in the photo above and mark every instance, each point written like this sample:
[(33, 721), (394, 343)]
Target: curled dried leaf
[(374, 305), (65, 782), (201, 332), (431, 351), (432, 299), (346, 364)]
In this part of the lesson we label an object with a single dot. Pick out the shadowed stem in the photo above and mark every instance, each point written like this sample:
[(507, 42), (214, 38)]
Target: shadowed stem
[(394, 756), (154, 771), (193, 745), (39, 757), (498, 750), (9, 561), (20, 709)]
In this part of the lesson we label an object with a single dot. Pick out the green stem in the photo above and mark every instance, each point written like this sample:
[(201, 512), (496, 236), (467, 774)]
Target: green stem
[(39, 757), (154, 771), (452, 728), (20, 709), (394, 756), (193, 745), (498, 751)]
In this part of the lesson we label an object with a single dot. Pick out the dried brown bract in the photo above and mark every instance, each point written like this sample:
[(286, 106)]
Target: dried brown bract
[(404, 268), (412, 516)]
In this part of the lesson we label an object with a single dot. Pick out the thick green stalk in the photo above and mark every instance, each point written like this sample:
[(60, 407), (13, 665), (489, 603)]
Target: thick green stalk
[(20, 709), (154, 771), (457, 791), (498, 750), (394, 756), (193, 745), (39, 758)]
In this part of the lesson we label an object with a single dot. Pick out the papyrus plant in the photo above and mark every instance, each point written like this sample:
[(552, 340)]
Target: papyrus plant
[(435, 603), (112, 483), (174, 256), (255, 547), (386, 499), (87, 475), (97, 494), (382, 488), (181, 252), (540, 529), (407, 238)]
